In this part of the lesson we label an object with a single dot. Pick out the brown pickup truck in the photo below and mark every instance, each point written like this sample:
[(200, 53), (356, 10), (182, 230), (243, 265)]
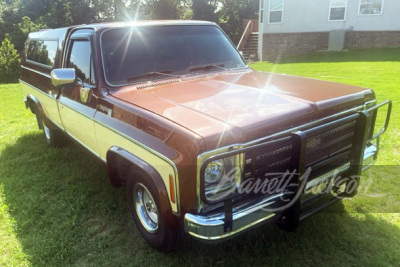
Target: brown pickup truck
[(203, 144)]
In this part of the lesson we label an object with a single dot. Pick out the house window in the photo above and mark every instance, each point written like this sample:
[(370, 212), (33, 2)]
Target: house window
[(337, 10), (370, 7), (275, 11)]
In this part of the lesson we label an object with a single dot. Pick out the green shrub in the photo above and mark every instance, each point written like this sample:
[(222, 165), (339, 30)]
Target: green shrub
[(9, 62)]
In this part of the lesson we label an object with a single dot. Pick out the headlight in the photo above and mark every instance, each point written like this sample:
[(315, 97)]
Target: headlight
[(222, 177), (214, 171)]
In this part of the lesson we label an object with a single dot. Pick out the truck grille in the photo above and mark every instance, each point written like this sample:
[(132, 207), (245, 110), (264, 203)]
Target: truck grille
[(273, 158), (329, 143), (319, 146)]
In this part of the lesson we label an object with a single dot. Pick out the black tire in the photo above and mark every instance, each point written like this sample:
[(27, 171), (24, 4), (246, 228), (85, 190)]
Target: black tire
[(54, 137), (156, 232)]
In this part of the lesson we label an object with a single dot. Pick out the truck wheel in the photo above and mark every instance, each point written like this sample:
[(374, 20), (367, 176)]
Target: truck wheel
[(54, 137), (144, 204)]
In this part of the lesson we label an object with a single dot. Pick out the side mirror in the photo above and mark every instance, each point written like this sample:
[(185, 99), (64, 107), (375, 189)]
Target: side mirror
[(63, 77), (241, 53)]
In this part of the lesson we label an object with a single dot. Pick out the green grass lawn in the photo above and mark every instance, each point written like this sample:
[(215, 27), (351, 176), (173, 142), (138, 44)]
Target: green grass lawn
[(57, 207)]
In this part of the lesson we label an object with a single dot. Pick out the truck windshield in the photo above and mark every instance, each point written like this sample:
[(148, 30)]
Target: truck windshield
[(138, 54)]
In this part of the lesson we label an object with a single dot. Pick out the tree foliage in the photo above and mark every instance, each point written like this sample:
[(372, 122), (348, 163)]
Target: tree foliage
[(9, 62), (233, 13), (60, 13), (20, 31), (205, 10), (19, 17)]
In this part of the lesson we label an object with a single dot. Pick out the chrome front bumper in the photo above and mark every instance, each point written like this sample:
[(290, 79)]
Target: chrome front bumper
[(211, 229)]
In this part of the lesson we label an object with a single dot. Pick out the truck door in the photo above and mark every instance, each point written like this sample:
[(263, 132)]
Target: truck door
[(77, 105)]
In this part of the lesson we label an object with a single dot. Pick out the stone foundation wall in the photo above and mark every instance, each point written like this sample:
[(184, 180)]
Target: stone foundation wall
[(281, 45), (372, 39)]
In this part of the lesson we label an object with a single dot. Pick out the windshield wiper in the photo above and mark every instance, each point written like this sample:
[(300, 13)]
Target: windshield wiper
[(208, 67), (152, 74)]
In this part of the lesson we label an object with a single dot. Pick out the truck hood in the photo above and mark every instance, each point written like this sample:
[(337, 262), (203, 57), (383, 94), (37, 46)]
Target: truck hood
[(225, 107)]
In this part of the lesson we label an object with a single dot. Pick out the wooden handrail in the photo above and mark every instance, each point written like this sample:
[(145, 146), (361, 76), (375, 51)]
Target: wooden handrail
[(247, 31)]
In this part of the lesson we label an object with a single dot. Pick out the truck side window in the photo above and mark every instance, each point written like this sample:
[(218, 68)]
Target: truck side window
[(80, 58), (42, 51)]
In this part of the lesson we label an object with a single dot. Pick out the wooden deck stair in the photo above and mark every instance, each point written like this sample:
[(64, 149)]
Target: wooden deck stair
[(251, 47), (248, 43)]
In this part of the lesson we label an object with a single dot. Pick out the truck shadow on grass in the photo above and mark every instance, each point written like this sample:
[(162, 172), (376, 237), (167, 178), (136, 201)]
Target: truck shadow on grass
[(66, 212)]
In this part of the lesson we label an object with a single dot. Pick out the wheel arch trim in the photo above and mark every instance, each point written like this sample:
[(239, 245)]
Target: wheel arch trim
[(146, 169), (32, 99)]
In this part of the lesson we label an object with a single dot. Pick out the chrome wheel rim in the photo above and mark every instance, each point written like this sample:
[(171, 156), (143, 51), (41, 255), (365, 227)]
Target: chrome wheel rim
[(46, 130), (146, 208)]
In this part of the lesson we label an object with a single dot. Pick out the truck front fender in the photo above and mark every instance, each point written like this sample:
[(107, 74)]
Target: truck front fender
[(120, 164)]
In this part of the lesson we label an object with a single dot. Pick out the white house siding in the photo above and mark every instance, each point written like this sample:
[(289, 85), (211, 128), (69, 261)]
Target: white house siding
[(305, 27)]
